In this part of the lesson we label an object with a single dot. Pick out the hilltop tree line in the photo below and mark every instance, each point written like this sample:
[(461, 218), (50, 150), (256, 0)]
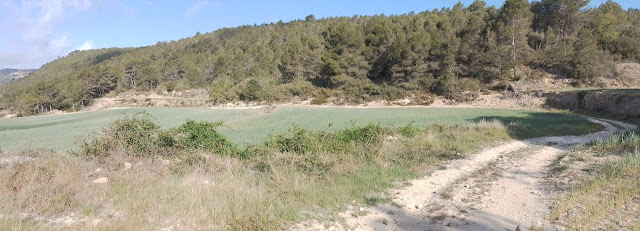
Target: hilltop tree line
[(445, 52)]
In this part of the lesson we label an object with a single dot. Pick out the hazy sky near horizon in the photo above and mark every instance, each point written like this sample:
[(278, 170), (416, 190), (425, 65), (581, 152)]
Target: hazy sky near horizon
[(34, 32)]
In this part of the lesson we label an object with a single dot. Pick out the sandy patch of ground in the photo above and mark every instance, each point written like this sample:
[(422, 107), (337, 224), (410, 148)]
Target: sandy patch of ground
[(101, 104), (521, 100)]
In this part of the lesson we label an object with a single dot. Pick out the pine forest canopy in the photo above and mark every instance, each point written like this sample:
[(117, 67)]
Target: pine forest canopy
[(356, 59)]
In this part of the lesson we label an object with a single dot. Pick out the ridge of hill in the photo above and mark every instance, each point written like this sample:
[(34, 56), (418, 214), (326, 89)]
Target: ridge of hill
[(453, 52), (10, 74)]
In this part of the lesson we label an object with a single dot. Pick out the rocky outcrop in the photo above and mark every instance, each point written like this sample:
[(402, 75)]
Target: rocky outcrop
[(621, 103), (8, 75)]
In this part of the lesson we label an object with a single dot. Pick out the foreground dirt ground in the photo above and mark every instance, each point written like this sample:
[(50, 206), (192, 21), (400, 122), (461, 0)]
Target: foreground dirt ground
[(500, 188)]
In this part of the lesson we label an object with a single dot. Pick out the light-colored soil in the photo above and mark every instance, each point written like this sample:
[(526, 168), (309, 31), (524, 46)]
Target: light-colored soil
[(499, 188), (521, 100), (629, 74), (101, 104)]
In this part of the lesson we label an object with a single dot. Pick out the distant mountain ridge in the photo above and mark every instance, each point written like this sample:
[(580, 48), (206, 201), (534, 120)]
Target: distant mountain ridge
[(9, 74)]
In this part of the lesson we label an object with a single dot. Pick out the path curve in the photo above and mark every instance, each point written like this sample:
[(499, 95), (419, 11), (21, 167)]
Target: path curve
[(499, 188)]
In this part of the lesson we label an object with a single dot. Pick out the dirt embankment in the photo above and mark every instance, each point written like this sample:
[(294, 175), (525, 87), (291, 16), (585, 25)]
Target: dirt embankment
[(615, 103)]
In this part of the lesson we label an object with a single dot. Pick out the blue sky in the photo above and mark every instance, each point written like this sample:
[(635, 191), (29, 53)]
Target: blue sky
[(34, 32)]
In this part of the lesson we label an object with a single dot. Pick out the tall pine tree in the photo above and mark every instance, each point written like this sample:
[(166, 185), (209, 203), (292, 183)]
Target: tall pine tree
[(516, 20)]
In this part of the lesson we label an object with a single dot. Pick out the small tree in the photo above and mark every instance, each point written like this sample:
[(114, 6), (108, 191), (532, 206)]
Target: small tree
[(310, 18)]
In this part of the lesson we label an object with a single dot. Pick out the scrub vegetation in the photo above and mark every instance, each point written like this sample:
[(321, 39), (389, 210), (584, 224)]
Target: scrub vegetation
[(134, 174)]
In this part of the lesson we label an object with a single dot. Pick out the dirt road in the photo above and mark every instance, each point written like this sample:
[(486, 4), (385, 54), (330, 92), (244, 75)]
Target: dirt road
[(500, 188)]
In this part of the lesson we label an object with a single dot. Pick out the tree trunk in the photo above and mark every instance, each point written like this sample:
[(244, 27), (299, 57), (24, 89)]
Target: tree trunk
[(513, 50)]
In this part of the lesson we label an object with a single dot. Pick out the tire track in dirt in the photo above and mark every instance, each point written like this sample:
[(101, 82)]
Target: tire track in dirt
[(499, 188)]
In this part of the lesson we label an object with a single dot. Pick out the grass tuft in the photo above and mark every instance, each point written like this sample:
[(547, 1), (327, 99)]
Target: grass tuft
[(614, 187)]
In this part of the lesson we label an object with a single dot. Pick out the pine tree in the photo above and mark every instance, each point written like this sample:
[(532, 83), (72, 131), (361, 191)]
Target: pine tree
[(516, 18)]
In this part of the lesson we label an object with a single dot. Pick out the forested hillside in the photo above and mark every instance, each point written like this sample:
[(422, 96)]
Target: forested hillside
[(360, 58)]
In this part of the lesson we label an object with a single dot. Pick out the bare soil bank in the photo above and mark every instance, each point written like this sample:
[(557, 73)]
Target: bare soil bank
[(619, 103)]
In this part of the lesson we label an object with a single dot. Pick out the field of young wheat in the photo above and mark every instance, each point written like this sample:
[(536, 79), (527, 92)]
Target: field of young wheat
[(253, 126)]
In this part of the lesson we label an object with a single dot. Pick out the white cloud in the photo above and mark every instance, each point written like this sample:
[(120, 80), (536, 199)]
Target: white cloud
[(30, 26), (196, 7), (87, 45), (60, 43), (53, 10)]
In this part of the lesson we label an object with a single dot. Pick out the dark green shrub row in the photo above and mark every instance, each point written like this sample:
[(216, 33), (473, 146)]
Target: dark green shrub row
[(356, 141), (139, 136)]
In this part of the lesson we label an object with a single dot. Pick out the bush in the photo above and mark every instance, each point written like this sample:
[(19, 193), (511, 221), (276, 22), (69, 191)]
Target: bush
[(369, 134), (200, 136), (409, 130), (300, 88), (424, 99), (317, 153), (252, 91), (321, 96), (352, 141), (298, 140), (138, 136), (222, 90), (132, 135), (445, 86), (319, 101), (390, 92)]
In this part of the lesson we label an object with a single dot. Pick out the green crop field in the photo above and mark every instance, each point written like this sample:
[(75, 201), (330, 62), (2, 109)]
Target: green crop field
[(252, 126)]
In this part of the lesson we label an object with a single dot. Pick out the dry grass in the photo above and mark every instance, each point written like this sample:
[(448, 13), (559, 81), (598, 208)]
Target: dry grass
[(43, 184), (58, 189), (269, 191), (610, 199)]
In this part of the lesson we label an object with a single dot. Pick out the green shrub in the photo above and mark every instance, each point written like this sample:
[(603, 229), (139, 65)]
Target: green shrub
[(133, 135), (390, 92), (300, 87), (298, 140), (252, 91), (321, 96), (580, 96), (409, 130), (319, 101), (222, 90), (351, 141), (138, 136), (445, 86), (369, 134), (201, 135)]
